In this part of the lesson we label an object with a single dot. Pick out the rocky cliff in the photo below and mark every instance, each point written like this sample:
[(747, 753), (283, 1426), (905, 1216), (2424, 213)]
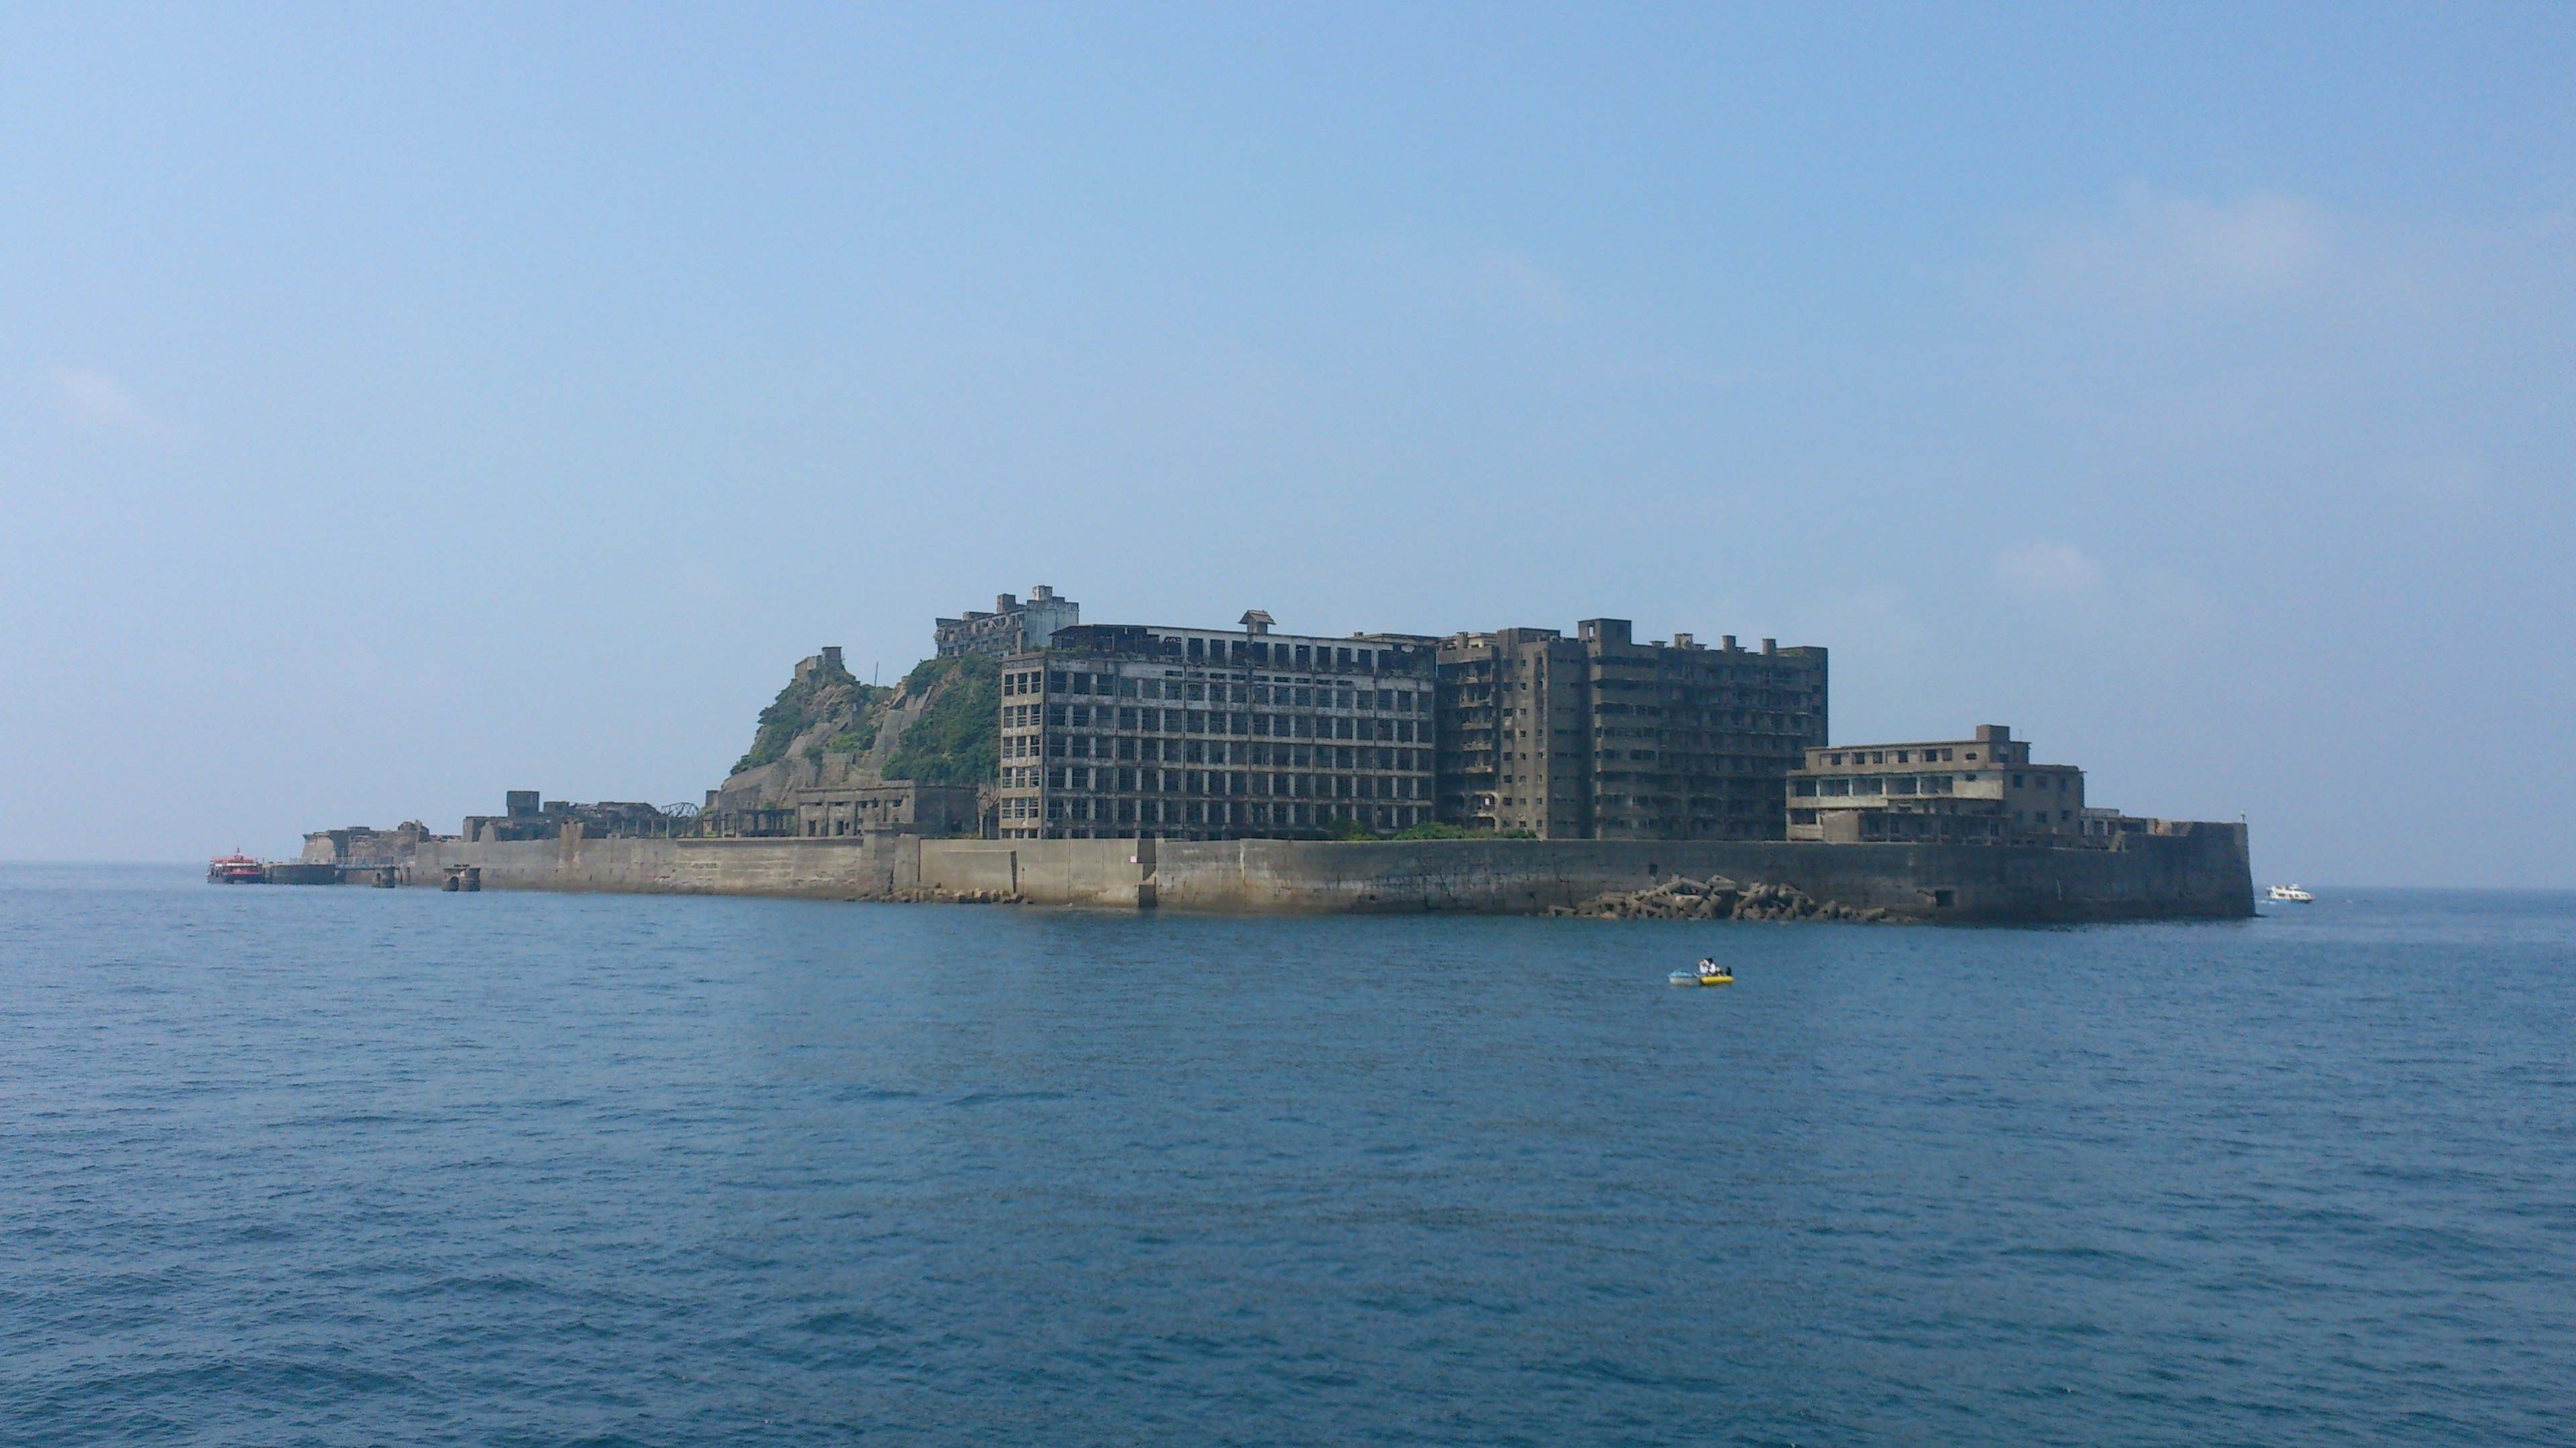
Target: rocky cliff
[(939, 726)]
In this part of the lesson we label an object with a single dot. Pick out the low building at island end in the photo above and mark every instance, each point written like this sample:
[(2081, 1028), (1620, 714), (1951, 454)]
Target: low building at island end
[(364, 846), (1116, 730), (1980, 788)]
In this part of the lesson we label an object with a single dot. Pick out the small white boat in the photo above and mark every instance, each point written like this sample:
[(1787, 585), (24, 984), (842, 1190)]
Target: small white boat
[(2294, 894)]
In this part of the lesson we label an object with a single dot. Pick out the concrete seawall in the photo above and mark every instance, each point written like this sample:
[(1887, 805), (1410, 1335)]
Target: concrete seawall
[(2195, 871)]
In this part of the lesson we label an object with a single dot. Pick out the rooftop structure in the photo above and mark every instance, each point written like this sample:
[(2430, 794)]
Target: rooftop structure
[(1011, 628), (1984, 788)]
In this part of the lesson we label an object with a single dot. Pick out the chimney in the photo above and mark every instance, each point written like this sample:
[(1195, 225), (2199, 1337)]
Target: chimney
[(1728, 642), (1770, 646)]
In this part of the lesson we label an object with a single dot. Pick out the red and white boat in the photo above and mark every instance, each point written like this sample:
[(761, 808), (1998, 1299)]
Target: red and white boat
[(235, 869)]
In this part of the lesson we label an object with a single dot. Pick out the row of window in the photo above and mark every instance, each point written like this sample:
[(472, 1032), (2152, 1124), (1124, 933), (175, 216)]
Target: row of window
[(1148, 813), (1873, 784), (1891, 756), (1466, 715), (1218, 751), (1280, 654), (1224, 691), (1703, 804), (1706, 785), (1241, 653), (1943, 823), (1678, 763), (1224, 782), (1929, 784), (1266, 756), (1482, 692), (1925, 826), (1471, 732), (1217, 721)]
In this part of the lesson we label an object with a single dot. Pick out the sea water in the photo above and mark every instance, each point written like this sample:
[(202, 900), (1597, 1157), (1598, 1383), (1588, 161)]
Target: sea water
[(351, 1166)]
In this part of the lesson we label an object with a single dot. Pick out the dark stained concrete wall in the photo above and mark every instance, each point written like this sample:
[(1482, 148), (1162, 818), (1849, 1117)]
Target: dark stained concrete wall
[(2201, 874), (2200, 871)]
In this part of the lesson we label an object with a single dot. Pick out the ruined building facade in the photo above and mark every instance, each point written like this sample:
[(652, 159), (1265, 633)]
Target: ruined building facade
[(858, 806), (1133, 730), (1601, 737)]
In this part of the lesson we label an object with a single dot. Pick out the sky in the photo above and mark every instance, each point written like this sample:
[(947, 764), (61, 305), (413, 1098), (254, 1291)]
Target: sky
[(399, 405)]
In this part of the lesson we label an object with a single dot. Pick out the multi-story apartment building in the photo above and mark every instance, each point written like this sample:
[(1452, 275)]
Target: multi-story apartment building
[(1128, 730), (1984, 788), (1011, 628), (1601, 737)]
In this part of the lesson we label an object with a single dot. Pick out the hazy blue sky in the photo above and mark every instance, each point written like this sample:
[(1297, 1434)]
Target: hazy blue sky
[(398, 406)]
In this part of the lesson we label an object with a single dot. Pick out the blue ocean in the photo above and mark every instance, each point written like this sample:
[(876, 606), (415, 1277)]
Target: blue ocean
[(353, 1166)]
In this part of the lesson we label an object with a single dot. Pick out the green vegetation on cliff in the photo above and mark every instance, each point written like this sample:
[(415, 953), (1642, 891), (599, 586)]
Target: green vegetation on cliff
[(957, 739), (861, 736), (825, 694)]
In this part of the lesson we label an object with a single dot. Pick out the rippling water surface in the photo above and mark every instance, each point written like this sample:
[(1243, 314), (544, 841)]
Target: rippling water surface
[(354, 1166)]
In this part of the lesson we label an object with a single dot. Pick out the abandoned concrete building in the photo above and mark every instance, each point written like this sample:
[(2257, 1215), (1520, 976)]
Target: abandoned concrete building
[(1011, 628), (1984, 788), (1601, 737), (902, 805), (1203, 734), (526, 817), (1107, 731), (360, 846)]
